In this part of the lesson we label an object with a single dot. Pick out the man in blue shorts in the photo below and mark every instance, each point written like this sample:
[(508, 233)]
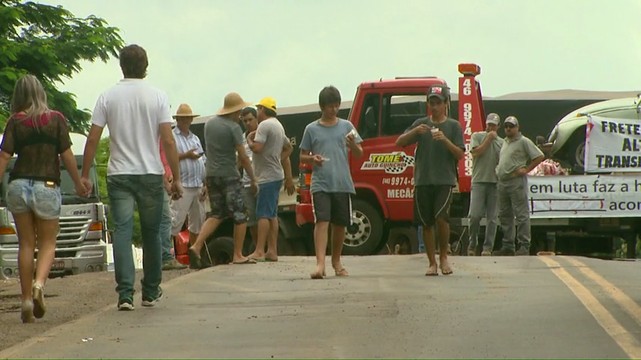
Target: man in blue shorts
[(271, 150)]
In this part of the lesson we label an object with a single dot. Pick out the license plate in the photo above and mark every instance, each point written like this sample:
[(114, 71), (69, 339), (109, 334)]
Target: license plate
[(58, 265)]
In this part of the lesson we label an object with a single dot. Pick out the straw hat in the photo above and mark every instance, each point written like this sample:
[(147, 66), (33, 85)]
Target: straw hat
[(233, 103), (184, 110)]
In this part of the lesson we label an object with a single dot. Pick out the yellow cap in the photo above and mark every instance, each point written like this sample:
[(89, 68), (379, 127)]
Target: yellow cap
[(268, 102)]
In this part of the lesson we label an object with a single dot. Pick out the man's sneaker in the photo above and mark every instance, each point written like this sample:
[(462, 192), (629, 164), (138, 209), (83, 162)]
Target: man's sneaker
[(173, 264), (523, 252), (503, 252), (147, 302), (125, 305), (486, 253)]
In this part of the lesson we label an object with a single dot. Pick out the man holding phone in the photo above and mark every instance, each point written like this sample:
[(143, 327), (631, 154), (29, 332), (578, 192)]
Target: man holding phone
[(192, 173)]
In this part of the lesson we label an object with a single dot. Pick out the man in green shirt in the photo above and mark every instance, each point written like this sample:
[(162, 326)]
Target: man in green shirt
[(518, 157)]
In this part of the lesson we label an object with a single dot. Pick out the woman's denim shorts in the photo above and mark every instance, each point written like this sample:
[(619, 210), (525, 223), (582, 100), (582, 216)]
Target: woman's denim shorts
[(41, 197)]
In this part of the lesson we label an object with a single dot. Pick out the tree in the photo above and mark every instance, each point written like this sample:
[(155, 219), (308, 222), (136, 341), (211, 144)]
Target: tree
[(50, 42)]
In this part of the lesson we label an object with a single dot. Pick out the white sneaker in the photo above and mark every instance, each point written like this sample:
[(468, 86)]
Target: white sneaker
[(125, 305), (150, 302)]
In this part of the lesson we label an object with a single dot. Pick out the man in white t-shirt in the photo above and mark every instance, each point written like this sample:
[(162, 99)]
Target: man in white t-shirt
[(138, 116)]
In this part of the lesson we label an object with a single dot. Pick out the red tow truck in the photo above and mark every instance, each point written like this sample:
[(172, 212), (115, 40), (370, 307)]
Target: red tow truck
[(384, 175)]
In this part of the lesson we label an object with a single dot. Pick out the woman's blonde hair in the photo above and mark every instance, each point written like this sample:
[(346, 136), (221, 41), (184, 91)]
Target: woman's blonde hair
[(29, 97)]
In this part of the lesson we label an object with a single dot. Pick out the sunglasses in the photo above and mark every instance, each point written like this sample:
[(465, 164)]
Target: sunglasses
[(508, 126)]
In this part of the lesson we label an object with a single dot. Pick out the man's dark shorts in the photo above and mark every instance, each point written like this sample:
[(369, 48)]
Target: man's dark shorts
[(226, 198), (335, 208), (431, 202)]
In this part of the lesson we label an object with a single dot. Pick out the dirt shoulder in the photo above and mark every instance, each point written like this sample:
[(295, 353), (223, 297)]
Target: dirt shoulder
[(67, 299)]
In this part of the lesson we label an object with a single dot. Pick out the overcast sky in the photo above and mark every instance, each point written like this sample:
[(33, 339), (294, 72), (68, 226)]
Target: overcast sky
[(199, 50)]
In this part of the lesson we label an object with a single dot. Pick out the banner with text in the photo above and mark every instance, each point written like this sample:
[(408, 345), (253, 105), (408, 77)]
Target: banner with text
[(584, 196), (612, 145)]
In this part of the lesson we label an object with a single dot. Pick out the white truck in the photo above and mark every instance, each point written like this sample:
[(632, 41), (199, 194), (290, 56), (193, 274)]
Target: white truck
[(81, 245)]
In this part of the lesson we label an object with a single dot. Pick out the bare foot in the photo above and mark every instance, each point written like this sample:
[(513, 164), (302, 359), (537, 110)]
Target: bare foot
[(271, 257), (256, 256), (318, 274)]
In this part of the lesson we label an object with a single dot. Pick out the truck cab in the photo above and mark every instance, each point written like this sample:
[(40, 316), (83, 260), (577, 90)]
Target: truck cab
[(82, 240)]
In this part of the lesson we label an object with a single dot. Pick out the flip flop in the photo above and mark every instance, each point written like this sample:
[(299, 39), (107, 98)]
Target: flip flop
[(341, 272), (446, 270), (431, 272), (257, 259), (247, 261)]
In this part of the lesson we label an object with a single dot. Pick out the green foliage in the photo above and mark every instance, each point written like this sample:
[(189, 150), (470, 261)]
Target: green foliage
[(50, 43), (102, 157)]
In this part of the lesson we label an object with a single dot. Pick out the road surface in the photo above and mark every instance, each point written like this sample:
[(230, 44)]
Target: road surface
[(491, 307)]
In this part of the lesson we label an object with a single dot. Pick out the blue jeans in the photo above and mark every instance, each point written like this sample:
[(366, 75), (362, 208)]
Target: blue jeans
[(165, 229), (124, 192), (483, 203)]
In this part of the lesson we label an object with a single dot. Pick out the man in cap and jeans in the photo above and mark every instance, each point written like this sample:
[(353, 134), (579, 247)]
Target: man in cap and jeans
[(486, 146), (519, 155), (440, 147), (224, 142), (192, 174), (271, 163)]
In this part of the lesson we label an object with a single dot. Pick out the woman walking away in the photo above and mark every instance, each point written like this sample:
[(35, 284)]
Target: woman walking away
[(37, 136)]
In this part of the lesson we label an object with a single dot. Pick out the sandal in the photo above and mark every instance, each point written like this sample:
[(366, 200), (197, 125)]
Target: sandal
[(27, 312), (431, 271), (341, 272), (446, 270), (39, 307)]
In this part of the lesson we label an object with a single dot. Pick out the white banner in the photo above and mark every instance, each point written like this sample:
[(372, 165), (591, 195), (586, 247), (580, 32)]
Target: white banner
[(612, 145), (584, 196)]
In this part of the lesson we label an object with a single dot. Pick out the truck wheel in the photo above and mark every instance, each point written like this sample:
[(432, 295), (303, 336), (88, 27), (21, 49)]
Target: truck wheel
[(218, 251), (576, 151), (364, 235)]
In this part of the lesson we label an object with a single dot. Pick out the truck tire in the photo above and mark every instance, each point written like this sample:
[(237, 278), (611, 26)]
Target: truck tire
[(218, 251), (576, 151), (365, 234)]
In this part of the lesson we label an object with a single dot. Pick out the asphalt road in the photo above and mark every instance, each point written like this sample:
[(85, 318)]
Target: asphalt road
[(491, 307)]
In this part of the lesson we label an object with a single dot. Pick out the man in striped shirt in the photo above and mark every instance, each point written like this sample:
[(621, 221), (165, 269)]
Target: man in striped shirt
[(192, 174)]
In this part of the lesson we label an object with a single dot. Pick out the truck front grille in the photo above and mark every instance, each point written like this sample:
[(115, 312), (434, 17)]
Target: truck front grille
[(72, 230)]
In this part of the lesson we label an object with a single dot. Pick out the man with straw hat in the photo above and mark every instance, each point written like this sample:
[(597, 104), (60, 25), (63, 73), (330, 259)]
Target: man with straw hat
[(224, 141), (192, 175)]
